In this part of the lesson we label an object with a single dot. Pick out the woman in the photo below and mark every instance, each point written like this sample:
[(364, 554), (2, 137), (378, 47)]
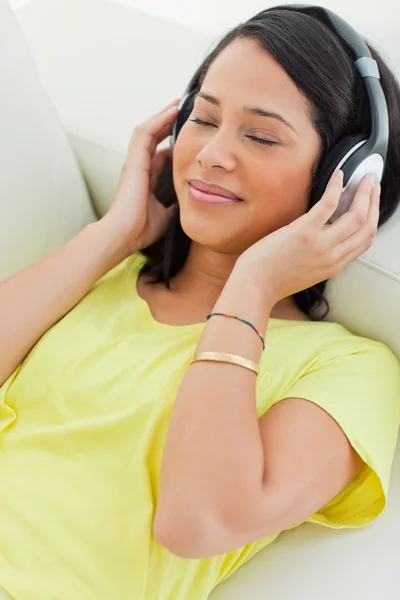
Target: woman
[(129, 471)]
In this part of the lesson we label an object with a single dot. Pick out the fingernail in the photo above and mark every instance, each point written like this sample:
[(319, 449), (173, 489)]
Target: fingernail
[(340, 174), (371, 179)]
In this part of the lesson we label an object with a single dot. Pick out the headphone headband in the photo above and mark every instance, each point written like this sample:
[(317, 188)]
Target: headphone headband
[(366, 66)]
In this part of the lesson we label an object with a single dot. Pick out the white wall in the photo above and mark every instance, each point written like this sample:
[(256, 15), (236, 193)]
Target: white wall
[(214, 16), (377, 20)]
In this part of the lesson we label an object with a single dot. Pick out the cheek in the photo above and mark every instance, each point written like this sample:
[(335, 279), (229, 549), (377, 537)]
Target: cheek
[(183, 160), (185, 149), (288, 182), (278, 196), (295, 191)]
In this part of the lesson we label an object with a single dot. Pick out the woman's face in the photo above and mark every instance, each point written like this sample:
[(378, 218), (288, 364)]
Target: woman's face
[(272, 180)]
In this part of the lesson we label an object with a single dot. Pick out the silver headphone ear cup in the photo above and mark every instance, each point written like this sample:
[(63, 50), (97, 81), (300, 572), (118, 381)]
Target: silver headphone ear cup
[(371, 164), (331, 163)]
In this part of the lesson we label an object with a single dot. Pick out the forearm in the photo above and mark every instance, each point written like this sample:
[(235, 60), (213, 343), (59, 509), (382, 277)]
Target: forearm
[(213, 457), (34, 299)]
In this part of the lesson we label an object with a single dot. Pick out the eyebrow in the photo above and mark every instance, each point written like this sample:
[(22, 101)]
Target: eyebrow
[(250, 110)]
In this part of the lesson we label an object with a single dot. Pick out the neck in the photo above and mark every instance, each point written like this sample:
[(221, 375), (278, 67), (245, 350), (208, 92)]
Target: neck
[(204, 276)]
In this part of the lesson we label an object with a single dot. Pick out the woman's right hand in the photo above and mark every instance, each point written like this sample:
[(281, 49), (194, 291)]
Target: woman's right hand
[(135, 213)]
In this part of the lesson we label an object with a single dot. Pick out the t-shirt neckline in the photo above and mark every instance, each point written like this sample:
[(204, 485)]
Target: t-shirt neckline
[(192, 326), (146, 308)]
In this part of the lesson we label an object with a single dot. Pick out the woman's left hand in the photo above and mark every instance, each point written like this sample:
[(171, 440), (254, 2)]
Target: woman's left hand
[(308, 250)]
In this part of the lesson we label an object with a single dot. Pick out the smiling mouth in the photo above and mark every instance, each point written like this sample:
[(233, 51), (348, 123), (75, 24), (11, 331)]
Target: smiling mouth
[(210, 198)]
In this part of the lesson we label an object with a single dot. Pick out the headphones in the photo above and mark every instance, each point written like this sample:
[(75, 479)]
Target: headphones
[(354, 154)]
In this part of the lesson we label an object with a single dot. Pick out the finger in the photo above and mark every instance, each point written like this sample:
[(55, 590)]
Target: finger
[(151, 132), (362, 239), (144, 141), (321, 212), (173, 102), (143, 144), (136, 169), (362, 199), (166, 107), (376, 207), (357, 216)]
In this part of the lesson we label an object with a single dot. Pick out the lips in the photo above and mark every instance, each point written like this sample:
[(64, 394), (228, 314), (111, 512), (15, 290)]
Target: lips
[(209, 188), (207, 198)]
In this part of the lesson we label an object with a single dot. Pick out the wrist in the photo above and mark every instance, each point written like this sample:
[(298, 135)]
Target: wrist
[(257, 283), (244, 297), (115, 239)]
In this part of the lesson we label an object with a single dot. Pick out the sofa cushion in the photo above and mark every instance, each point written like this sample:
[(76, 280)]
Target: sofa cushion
[(43, 197)]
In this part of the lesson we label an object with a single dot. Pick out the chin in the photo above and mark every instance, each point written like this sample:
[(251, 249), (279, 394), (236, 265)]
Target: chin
[(223, 229), (210, 233)]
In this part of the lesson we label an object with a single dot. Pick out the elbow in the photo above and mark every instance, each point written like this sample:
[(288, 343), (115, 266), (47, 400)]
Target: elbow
[(199, 534), (172, 540), (186, 537), (174, 537)]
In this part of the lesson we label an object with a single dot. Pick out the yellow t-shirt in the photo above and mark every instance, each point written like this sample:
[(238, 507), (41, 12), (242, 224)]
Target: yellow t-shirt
[(83, 421)]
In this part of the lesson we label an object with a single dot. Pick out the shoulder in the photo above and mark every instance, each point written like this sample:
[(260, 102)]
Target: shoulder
[(353, 356), (329, 361), (130, 266), (321, 340), (343, 343)]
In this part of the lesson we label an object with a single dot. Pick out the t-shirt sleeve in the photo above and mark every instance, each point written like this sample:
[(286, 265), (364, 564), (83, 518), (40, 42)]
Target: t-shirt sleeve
[(360, 388), (7, 414)]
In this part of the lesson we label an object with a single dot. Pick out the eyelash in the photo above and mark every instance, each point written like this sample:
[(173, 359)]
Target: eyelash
[(252, 137)]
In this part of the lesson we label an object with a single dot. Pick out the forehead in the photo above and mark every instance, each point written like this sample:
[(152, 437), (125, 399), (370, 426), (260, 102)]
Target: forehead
[(244, 73)]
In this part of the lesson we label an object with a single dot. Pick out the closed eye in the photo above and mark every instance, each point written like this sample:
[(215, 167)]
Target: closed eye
[(252, 137)]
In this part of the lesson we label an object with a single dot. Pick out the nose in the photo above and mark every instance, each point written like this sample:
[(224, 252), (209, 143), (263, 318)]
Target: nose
[(218, 151)]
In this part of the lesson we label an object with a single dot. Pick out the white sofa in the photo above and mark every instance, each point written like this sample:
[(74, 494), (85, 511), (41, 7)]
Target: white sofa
[(76, 76)]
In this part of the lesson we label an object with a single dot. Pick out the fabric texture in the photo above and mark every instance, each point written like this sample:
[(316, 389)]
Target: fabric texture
[(44, 200), (83, 421)]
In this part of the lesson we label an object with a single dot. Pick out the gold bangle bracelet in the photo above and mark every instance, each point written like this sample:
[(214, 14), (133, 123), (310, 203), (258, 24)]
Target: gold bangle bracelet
[(228, 358)]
